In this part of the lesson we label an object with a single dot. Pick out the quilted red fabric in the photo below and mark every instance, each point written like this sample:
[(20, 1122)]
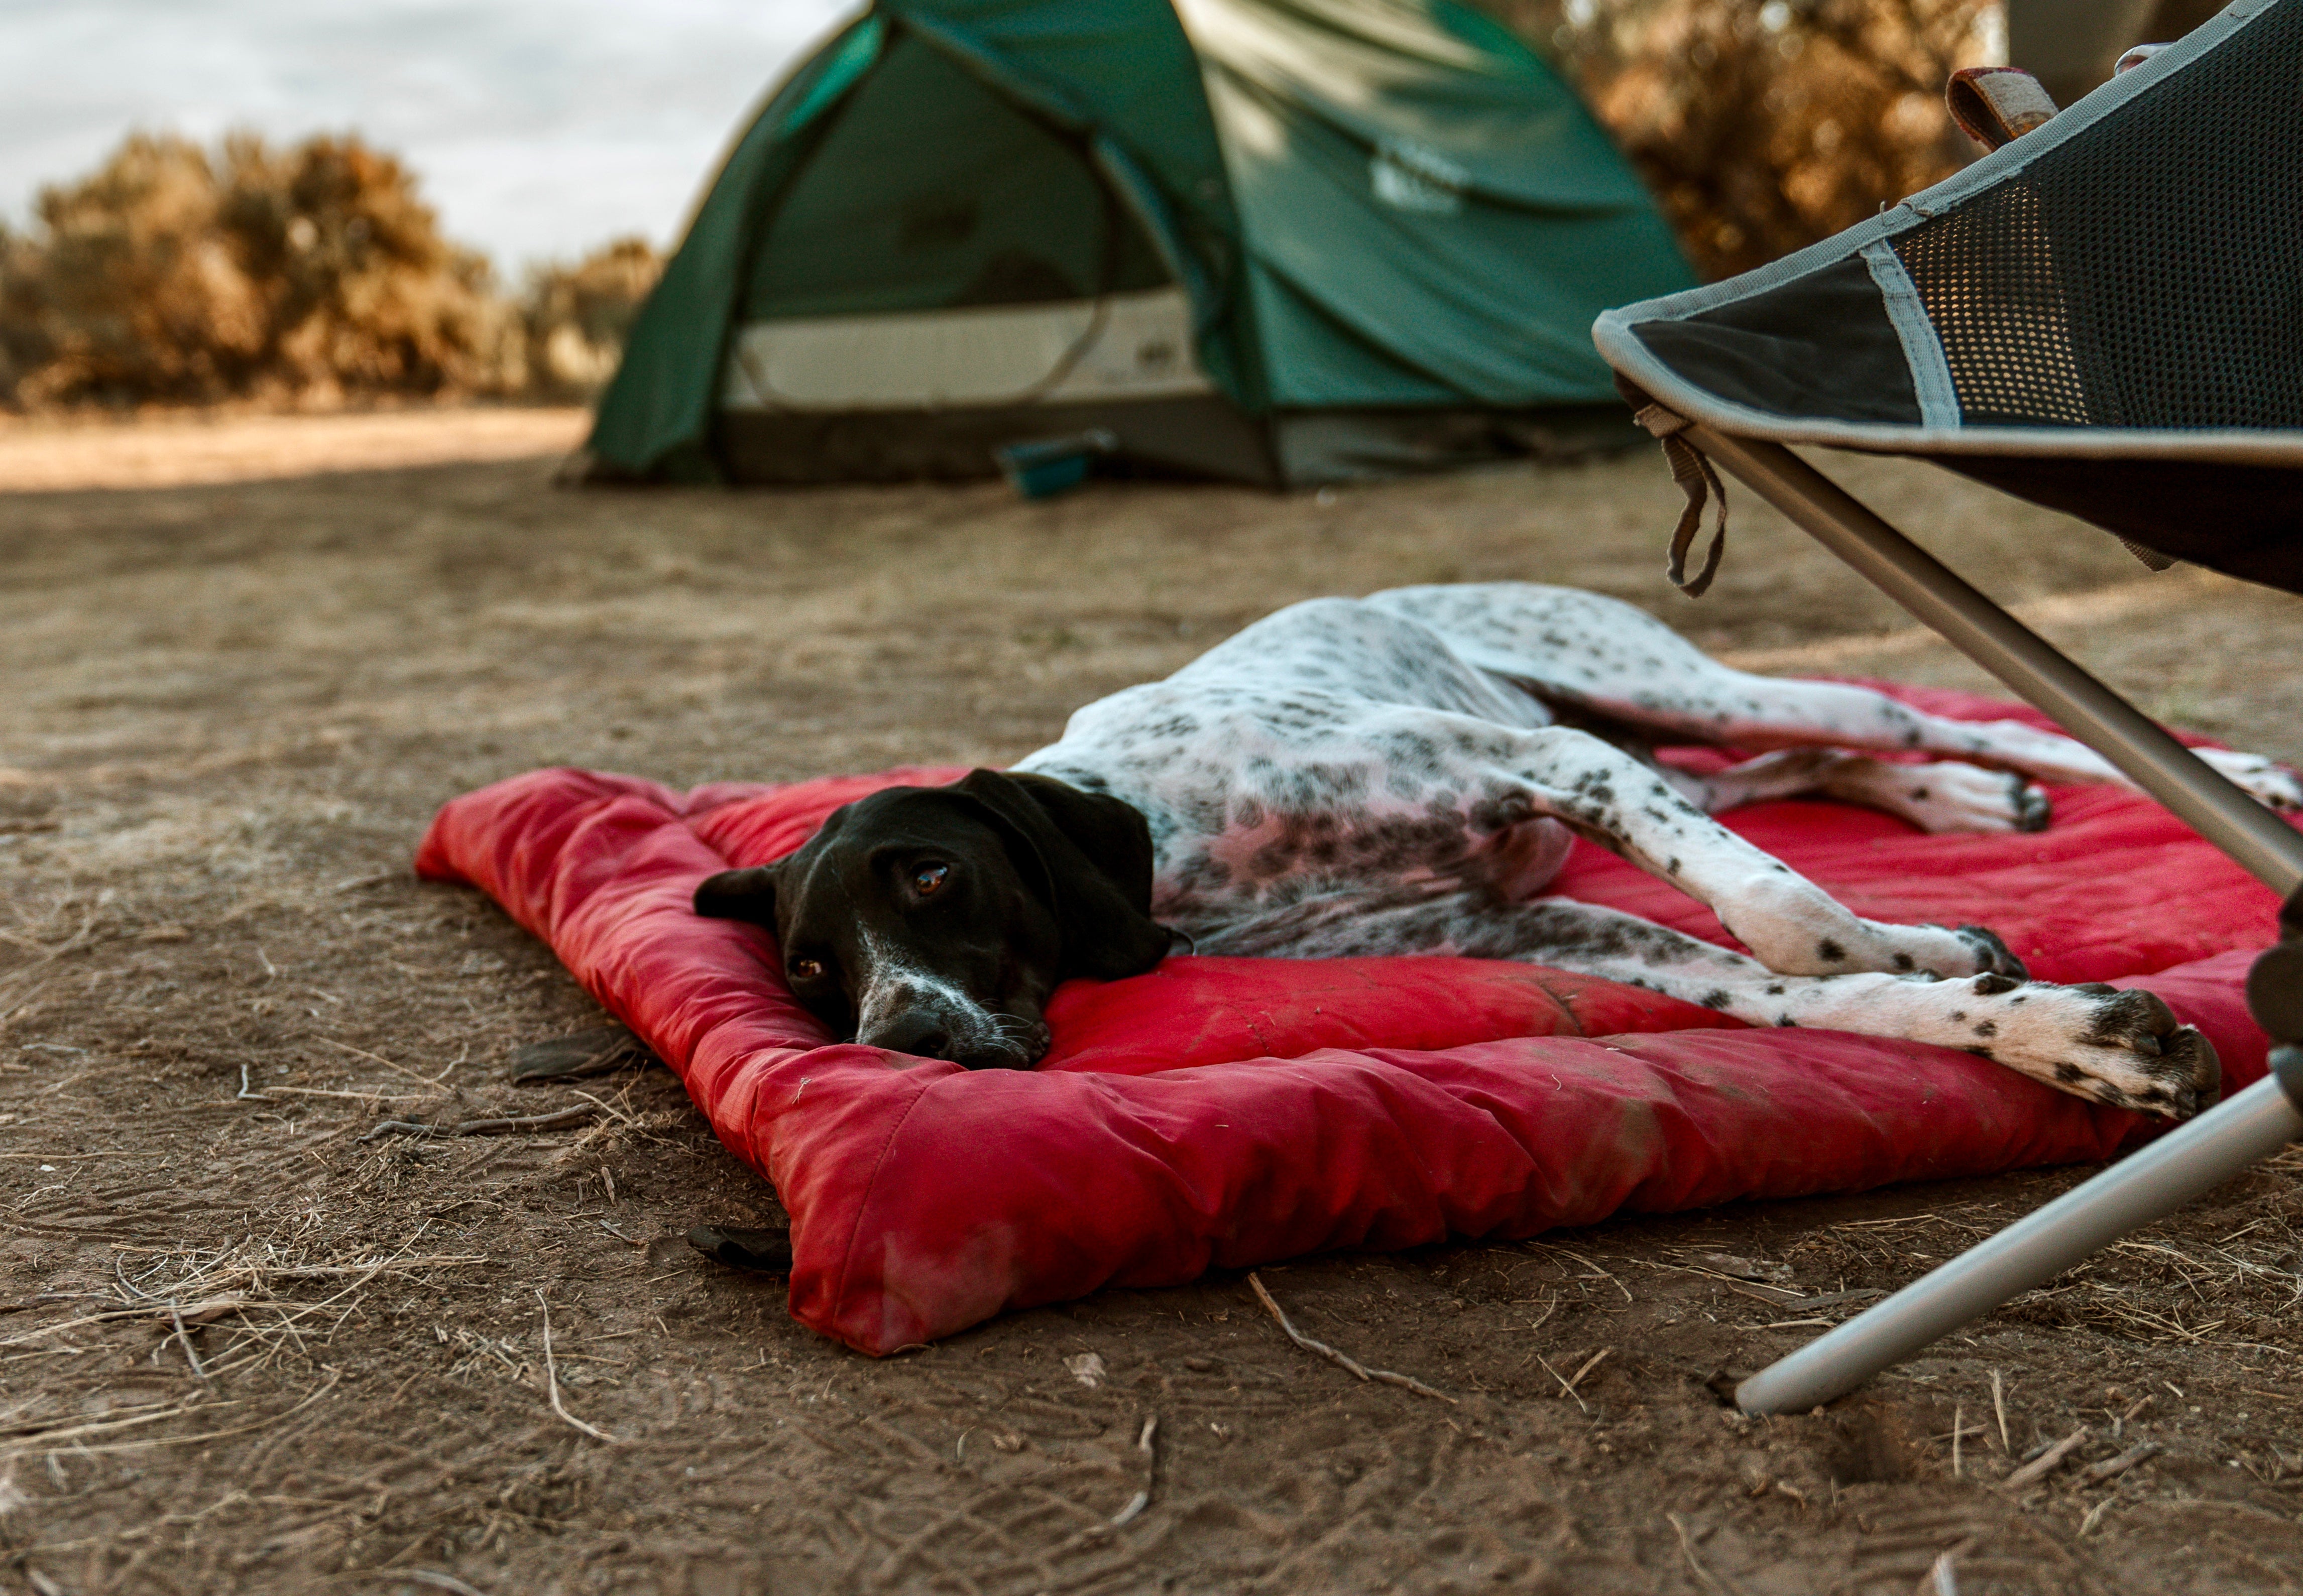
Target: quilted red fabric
[(1230, 1111)]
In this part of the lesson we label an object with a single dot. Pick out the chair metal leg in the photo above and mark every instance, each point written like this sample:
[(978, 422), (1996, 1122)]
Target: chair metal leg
[(2148, 1184), (2143, 1186), (2259, 840)]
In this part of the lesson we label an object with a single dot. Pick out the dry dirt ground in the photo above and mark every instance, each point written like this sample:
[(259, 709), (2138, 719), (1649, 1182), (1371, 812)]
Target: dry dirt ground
[(232, 706)]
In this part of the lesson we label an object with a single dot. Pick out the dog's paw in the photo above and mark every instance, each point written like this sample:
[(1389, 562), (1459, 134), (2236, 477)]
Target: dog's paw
[(1922, 953), (2270, 783), (1950, 796), (1995, 960), (2125, 1049)]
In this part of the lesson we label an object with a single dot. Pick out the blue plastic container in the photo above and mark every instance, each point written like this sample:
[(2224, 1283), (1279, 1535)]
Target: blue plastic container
[(1043, 467)]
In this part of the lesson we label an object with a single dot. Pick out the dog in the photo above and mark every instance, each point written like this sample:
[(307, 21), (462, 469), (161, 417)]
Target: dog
[(1404, 773)]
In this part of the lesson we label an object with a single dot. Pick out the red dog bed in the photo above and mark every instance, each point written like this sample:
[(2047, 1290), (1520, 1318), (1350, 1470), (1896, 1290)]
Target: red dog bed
[(1230, 1111)]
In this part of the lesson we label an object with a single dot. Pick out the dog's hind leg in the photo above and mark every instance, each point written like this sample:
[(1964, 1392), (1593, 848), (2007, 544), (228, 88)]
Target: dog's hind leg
[(1711, 702), (1498, 777), (1599, 655)]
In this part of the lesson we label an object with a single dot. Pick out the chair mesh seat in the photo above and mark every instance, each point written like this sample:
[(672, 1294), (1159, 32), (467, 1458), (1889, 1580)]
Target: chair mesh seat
[(2105, 316)]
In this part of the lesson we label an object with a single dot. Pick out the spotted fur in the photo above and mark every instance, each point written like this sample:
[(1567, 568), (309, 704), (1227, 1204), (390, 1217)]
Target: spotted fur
[(1401, 774)]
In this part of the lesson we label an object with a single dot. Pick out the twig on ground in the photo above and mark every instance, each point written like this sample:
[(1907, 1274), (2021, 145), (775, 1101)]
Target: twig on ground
[(1958, 1432), (552, 1380), (576, 1115), (616, 1112), (429, 1576), (375, 878), (1687, 1548), (1566, 1390), (1142, 1499), (1999, 1405), (1404, 1382), (184, 1340), (120, 1273), (2095, 1474), (1598, 1272), (1942, 1578), (201, 1312), (35, 1439), (1589, 1364), (400, 1069), (322, 1091), (81, 1450), (2047, 1462), (253, 1096)]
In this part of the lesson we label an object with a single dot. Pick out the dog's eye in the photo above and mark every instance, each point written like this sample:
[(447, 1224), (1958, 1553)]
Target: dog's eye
[(928, 878), (804, 970)]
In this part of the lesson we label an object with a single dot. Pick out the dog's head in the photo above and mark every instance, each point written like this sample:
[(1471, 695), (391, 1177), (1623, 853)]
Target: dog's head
[(936, 920)]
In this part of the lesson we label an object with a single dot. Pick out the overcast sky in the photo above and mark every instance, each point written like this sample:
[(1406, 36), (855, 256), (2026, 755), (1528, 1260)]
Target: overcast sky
[(539, 128)]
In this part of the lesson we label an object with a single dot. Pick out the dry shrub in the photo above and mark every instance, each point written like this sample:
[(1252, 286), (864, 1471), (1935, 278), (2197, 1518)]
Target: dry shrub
[(577, 317), (307, 275), (1763, 125)]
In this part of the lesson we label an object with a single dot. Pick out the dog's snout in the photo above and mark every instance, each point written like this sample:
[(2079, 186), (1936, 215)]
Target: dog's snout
[(919, 1032), (928, 1019)]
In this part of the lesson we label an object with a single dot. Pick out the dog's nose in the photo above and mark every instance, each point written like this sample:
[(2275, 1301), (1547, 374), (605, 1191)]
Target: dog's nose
[(919, 1032)]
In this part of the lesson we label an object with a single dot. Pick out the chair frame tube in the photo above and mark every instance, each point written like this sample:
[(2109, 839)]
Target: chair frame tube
[(2145, 1185), (2148, 1184), (2202, 797)]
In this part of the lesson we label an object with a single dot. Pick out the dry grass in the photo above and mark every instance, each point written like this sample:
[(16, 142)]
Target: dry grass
[(300, 278), (1763, 125)]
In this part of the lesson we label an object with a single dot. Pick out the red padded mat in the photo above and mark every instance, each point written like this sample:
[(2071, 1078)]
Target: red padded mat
[(1231, 1111)]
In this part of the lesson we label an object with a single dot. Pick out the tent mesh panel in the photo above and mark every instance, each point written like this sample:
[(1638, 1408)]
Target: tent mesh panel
[(2147, 274)]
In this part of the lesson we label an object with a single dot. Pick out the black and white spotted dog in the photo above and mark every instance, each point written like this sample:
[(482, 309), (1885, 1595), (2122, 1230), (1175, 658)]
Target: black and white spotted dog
[(1401, 774)]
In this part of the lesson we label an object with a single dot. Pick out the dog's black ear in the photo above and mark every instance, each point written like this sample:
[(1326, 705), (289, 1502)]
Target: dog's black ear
[(739, 895), (1094, 854), (1113, 835)]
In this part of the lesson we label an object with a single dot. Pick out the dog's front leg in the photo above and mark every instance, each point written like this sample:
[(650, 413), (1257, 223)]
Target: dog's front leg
[(1942, 796), (2123, 1048), (1792, 926)]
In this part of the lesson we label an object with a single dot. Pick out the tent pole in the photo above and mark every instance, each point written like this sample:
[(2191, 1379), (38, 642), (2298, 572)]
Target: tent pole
[(2260, 843), (2146, 1185)]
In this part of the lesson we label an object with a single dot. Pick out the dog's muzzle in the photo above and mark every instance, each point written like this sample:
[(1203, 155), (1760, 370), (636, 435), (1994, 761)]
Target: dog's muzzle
[(934, 1022)]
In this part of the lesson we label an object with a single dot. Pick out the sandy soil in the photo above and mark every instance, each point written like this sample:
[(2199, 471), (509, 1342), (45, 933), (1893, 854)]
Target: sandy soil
[(233, 707), (51, 456)]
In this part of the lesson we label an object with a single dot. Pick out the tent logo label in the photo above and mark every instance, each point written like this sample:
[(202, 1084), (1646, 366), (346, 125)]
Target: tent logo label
[(1408, 176)]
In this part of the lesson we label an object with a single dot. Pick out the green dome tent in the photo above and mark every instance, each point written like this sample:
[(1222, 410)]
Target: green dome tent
[(1280, 241)]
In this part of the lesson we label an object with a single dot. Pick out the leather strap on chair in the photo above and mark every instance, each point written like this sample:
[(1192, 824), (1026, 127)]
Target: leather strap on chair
[(1996, 104)]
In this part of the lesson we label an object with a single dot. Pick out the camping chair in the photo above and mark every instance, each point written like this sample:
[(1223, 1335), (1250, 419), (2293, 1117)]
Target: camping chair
[(2104, 316)]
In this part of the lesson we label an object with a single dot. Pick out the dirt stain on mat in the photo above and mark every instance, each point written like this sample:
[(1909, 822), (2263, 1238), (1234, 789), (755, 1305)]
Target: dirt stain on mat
[(240, 1348)]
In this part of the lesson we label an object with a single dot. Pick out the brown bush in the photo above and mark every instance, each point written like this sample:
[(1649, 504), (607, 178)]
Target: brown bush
[(576, 317), (1763, 125), (307, 275)]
